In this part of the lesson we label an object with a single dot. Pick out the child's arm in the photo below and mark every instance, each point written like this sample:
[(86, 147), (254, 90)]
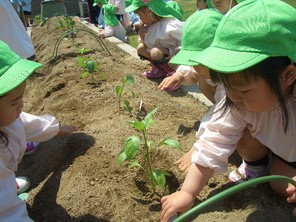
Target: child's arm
[(181, 201)]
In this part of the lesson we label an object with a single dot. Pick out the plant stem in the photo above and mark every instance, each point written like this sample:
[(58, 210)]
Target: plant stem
[(148, 158)]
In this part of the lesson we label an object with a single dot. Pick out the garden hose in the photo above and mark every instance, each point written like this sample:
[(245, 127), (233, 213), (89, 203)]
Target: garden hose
[(196, 210)]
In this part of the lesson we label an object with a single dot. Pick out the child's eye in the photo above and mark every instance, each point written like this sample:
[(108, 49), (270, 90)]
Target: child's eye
[(245, 91)]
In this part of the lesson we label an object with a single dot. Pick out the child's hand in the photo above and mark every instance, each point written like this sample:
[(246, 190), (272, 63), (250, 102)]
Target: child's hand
[(66, 130), (292, 196), (173, 81), (185, 161), (178, 202)]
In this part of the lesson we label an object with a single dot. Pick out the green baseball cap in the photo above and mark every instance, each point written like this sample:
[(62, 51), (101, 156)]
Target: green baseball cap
[(197, 34), (13, 69), (109, 15), (249, 33), (159, 7), (103, 2)]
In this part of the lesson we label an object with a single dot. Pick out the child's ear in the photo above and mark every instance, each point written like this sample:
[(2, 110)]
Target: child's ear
[(289, 75)]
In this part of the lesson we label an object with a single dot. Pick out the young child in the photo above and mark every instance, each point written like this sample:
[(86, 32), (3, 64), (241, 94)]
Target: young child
[(100, 3), (257, 68), (16, 127), (112, 26), (194, 44), (160, 35)]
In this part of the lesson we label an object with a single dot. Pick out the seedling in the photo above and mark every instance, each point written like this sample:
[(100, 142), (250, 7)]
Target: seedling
[(120, 91), (90, 67), (82, 50), (133, 144)]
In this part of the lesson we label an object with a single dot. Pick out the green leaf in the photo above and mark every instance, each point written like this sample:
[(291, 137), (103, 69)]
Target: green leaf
[(121, 157), (130, 79), (158, 178), (132, 93), (85, 74), (80, 62), (131, 146), (170, 142), (148, 121), (139, 126), (135, 164), (127, 106), (118, 90)]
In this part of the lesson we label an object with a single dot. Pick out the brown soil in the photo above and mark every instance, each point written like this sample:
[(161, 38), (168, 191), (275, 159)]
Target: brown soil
[(76, 178)]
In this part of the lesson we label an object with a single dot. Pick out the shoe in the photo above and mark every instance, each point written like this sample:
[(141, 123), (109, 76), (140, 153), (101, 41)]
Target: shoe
[(22, 184), (154, 73), (31, 148), (166, 67), (247, 172)]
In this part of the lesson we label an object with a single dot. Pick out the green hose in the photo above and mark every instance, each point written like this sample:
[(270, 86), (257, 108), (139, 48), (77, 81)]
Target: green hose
[(196, 210)]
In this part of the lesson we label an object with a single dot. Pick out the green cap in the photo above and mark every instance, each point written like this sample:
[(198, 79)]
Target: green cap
[(128, 3), (109, 15), (13, 69), (103, 2), (197, 34), (249, 33), (159, 7)]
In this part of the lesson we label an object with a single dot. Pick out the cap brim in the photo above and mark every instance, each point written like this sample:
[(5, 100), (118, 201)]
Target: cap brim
[(17, 74), (227, 61), (131, 8), (95, 4), (184, 57)]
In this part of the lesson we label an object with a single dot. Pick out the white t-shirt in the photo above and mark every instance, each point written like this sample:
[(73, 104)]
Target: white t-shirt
[(166, 33), (13, 32), (26, 128), (120, 6)]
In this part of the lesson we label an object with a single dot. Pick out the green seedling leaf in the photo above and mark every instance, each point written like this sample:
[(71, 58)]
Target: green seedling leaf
[(158, 178), (131, 146), (130, 79), (80, 62), (140, 126), (118, 90), (121, 158), (127, 106), (132, 93), (135, 164), (148, 121), (85, 74), (170, 142)]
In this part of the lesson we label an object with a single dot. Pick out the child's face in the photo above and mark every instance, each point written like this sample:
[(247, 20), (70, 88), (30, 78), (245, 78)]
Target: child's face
[(253, 95), (145, 15), (11, 105), (223, 6)]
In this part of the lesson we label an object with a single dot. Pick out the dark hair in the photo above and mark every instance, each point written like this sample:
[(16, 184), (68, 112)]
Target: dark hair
[(3, 136), (269, 70)]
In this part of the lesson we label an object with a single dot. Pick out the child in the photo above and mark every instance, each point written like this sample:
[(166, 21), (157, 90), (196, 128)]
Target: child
[(112, 26), (257, 68), (26, 6), (160, 35), (100, 3), (198, 33), (16, 127)]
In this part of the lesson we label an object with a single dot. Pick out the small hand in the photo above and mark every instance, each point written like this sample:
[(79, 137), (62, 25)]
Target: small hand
[(185, 161), (173, 81), (178, 202), (66, 130), (292, 196)]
